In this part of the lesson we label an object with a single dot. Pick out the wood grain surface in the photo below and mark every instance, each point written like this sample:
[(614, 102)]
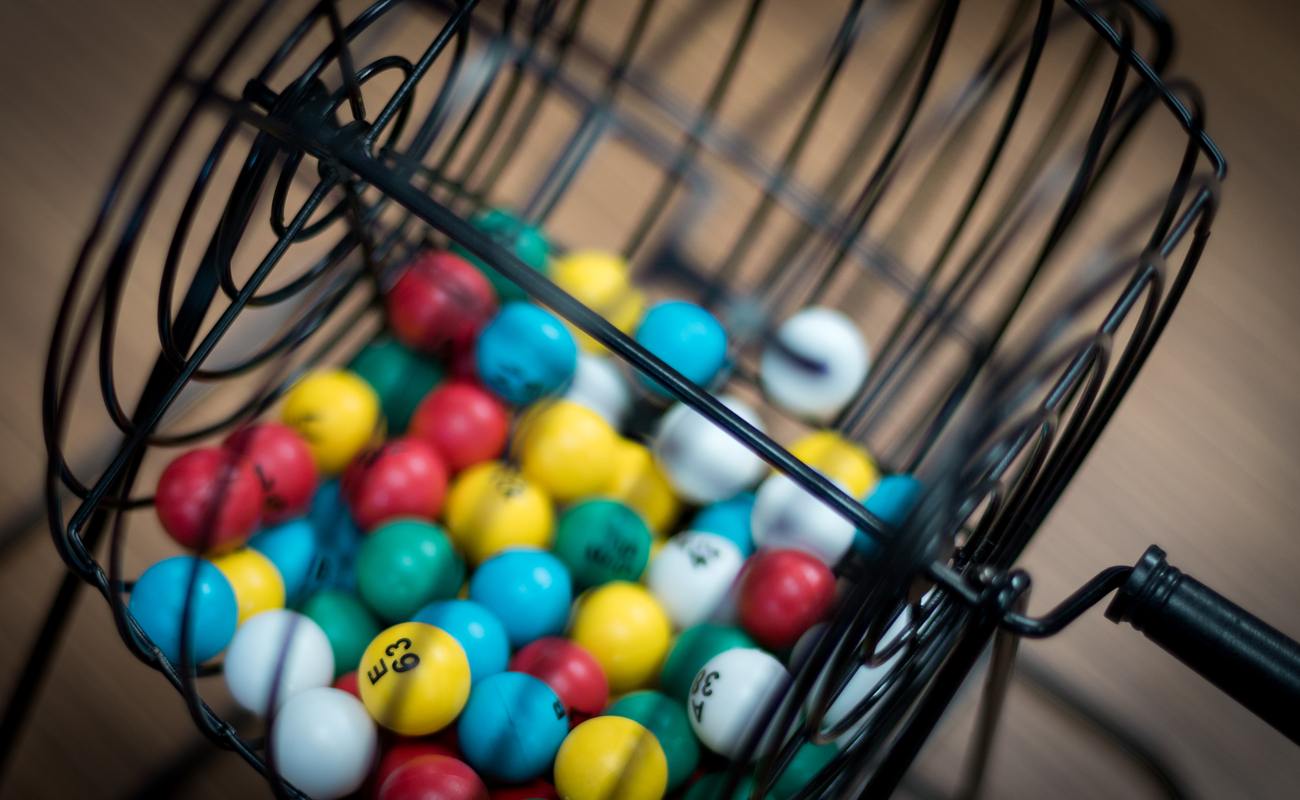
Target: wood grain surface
[(1201, 458)]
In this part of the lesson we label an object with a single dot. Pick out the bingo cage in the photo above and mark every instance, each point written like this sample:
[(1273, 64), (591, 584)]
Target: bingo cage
[(1007, 198)]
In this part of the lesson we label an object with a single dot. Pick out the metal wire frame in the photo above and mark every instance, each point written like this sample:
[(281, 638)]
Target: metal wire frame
[(995, 450)]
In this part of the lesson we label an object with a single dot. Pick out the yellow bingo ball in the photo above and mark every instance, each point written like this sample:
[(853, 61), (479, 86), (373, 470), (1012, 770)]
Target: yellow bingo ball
[(838, 459), (491, 507), (625, 629), (566, 449), (336, 412), (257, 583), (608, 758), (414, 678), (600, 281), (637, 481)]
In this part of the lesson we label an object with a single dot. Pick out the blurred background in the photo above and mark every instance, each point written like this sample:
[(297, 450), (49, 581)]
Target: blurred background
[(1201, 458)]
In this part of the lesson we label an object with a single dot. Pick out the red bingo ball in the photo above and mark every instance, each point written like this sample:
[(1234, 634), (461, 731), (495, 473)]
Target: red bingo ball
[(433, 777), (439, 303), (402, 478), (533, 790), (402, 752), (209, 500), (284, 464), (782, 594), (465, 423), (571, 672), (348, 683)]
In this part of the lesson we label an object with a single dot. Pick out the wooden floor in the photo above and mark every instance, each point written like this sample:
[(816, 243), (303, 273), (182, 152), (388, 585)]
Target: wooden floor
[(1203, 457)]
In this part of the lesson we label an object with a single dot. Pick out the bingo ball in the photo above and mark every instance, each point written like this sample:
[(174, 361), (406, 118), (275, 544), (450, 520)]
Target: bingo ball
[(414, 678), (784, 593), (404, 565), (465, 423), (402, 752), (637, 481), (627, 631), (347, 623), (257, 583), (814, 363), (602, 541), (601, 282), (528, 590), (687, 338), (666, 719), (209, 500), (512, 727), (809, 760), (533, 790), (158, 602), (283, 464), (692, 574), (478, 631), (572, 672), (703, 462), (336, 413), (439, 303), (787, 516), (525, 353), (293, 549), (491, 507), (323, 742), (337, 539), (274, 656), (432, 777), (401, 478), (400, 376), (838, 459), (607, 757), (729, 519), (731, 695), (598, 384), (509, 231), (566, 449), (347, 682), (892, 501), (693, 648)]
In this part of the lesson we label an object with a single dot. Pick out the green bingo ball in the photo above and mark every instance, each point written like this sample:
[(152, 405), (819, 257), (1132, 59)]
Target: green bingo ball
[(404, 565), (666, 719), (512, 233), (602, 541), (710, 786), (347, 623), (693, 648), (807, 762), (400, 376)]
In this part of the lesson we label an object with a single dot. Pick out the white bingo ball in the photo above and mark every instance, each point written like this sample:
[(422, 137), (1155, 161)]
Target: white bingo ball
[(702, 461), (599, 384), (692, 574), (787, 516), (815, 363), (731, 694), (275, 643), (324, 742), (864, 681)]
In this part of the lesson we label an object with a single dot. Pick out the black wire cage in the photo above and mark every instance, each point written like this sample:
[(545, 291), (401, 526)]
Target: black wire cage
[(1010, 197)]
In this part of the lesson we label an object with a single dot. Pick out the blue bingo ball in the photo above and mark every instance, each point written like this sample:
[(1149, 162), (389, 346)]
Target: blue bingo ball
[(525, 353), (338, 539), (158, 603), (479, 632), (292, 547), (892, 501), (529, 590), (688, 338), (728, 519), (512, 727)]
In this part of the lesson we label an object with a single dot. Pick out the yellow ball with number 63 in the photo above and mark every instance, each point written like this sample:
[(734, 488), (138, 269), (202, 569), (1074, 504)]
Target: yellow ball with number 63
[(414, 679), (337, 413)]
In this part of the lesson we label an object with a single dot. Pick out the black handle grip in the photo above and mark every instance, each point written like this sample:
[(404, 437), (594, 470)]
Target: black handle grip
[(1245, 657)]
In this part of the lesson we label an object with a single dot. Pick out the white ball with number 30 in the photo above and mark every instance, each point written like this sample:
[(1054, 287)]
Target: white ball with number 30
[(731, 694), (692, 574), (274, 656)]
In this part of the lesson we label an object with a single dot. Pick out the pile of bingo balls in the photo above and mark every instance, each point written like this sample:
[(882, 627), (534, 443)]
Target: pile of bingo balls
[(444, 573)]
